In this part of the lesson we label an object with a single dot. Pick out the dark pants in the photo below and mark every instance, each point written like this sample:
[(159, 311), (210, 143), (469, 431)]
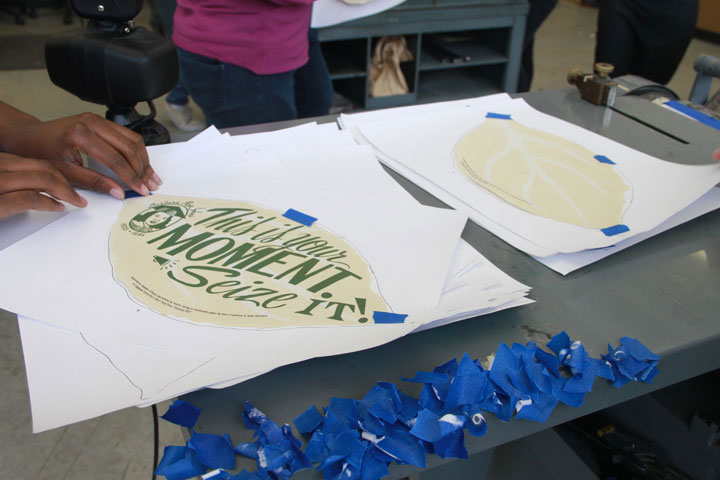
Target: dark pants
[(645, 37), (166, 9), (231, 96), (539, 11)]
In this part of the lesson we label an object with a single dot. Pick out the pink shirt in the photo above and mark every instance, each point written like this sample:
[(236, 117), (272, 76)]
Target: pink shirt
[(265, 36)]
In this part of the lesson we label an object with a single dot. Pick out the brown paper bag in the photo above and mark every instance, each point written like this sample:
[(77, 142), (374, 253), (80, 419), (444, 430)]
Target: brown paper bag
[(386, 77)]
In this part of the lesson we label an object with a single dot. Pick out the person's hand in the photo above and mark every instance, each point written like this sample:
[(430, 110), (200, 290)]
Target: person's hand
[(716, 155), (62, 142), (24, 183)]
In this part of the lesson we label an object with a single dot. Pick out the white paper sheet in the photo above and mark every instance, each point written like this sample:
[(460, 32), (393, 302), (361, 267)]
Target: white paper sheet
[(565, 263), (331, 12), (425, 144), (106, 374), (137, 357)]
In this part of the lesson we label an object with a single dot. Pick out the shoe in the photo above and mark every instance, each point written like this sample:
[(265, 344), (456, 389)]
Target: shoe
[(181, 116)]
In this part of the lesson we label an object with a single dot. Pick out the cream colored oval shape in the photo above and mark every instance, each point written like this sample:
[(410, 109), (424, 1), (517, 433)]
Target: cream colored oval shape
[(543, 174), (236, 264)]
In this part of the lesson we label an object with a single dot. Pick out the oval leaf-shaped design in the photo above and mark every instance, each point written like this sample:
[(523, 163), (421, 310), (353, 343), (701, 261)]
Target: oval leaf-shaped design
[(543, 174), (236, 264)]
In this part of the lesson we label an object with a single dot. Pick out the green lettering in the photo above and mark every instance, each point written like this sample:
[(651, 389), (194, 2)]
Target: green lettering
[(242, 255), (190, 255), (304, 271), (201, 280), (279, 298), (250, 228), (173, 238), (228, 283), (226, 211), (308, 310), (333, 279), (277, 236), (273, 259), (339, 307)]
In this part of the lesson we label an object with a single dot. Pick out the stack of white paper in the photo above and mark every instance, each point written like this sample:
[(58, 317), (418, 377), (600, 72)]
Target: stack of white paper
[(256, 252), (556, 191)]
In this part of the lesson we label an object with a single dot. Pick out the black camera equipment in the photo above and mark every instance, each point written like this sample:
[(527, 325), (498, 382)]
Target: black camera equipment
[(115, 63)]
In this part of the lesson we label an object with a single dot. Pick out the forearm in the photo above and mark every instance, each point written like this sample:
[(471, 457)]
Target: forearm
[(13, 124)]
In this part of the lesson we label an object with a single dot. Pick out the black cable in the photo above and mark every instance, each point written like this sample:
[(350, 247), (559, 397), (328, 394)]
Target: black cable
[(156, 440), (659, 90)]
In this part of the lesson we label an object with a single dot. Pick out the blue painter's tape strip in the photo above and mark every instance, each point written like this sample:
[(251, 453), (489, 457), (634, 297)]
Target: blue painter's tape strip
[(692, 113), (615, 230), (500, 116), (132, 194), (604, 159), (389, 317), (299, 217)]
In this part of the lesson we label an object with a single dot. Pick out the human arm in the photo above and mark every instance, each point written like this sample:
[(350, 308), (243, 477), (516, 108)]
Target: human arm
[(63, 141), (23, 182)]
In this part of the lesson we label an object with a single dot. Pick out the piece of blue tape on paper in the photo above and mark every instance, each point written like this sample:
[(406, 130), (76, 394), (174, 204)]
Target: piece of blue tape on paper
[(299, 217), (389, 317), (132, 194), (603, 159), (499, 116), (615, 230), (694, 114)]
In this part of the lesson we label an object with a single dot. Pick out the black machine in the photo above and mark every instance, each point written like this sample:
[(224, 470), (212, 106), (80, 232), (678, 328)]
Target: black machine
[(112, 62)]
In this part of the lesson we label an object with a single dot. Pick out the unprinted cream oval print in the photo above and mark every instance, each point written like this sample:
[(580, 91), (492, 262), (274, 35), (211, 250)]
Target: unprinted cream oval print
[(543, 174), (236, 264)]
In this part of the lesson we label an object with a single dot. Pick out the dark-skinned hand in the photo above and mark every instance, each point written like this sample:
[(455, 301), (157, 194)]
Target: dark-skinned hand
[(64, 141), (32, 184)]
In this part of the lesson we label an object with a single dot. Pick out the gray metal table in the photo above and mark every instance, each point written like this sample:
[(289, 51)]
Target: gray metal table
[(664, 291)]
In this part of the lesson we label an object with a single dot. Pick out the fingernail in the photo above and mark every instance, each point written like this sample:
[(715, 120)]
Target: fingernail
[(117, 193), (151, 184), (157, 179), (83, 201), (144, 191)]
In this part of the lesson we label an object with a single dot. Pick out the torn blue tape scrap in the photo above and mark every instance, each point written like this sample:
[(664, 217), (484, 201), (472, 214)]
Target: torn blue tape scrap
[(388, 317), (179, 463), (277, 452), (358, 439), (499, 116), (309, 420), (182, 413), (213, 451), (604, 159), (299, 217)]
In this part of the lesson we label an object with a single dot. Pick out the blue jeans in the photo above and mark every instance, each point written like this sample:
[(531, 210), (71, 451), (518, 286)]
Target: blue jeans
[(178, 95), (231, 96), (166, 9)]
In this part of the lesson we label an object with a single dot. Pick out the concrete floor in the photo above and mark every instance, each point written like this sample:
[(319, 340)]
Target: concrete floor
[(119, 445)]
